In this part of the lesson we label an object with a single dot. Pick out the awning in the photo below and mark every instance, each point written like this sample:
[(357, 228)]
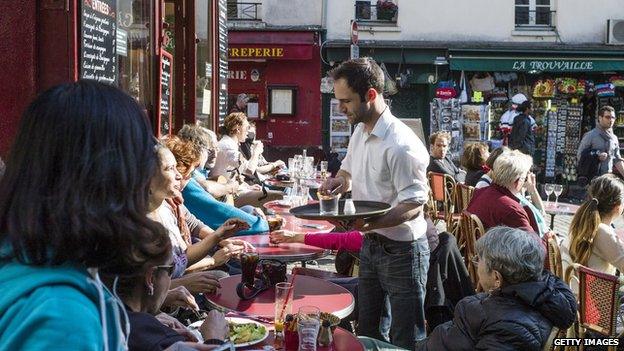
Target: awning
[(541, 64), (387, 51)]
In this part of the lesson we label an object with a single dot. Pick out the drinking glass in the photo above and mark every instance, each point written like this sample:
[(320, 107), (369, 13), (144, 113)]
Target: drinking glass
[(558, 189), (291, 167), (548, 189), (308, 324), (328, 204), (283, 304), (308, 166), (323, 170)]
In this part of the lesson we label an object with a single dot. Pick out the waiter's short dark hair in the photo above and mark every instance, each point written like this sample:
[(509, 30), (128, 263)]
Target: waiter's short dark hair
[(361, 74), (524, 106), (604, 109)]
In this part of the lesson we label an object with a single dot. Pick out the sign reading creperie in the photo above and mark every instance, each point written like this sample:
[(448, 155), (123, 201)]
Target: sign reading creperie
[(286, 52)]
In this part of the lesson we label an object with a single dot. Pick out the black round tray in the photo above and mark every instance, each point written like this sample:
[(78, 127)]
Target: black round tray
[(363, 209)]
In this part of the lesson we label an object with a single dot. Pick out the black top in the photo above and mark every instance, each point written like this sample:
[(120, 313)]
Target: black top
[(473, 177), (517, 317), (522, 137), (148, 334), (446, 166)]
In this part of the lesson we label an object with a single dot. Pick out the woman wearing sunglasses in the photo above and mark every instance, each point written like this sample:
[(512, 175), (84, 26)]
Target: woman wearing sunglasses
[(144, 291)]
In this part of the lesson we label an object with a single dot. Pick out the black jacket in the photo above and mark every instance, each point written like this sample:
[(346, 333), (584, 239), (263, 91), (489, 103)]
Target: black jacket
[(519, 317), (588, 165), (446, 166), (522, 137), (148, 334)]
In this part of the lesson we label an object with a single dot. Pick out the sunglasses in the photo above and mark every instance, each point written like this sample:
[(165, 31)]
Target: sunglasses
[(165, 267)]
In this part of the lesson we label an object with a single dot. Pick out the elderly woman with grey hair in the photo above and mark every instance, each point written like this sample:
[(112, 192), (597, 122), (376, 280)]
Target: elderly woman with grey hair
[(521, 303)]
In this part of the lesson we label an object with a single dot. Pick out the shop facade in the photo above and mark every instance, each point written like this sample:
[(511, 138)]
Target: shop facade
[(159, 52), (279, 72)]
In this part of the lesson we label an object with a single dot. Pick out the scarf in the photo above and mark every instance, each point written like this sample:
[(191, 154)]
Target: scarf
[(176, 204)]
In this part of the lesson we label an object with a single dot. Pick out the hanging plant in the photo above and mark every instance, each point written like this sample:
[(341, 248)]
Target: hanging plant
[(386, 10)]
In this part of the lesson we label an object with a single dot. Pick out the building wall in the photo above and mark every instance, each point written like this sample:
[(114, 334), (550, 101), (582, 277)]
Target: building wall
[(18, 62), (292, 12), (577, 21)]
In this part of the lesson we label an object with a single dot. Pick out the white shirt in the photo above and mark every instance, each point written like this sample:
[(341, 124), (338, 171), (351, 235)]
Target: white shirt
[(228, 157), (389, 165)]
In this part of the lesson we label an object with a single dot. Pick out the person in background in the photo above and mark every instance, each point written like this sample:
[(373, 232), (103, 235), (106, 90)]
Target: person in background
[(241, 104), (603, 144), (499, 203), (259, 166), (473, 160), (592, 240), (440, 160), (81, 210), (385, 162), (522, 135), (486, 179), (143, 294)]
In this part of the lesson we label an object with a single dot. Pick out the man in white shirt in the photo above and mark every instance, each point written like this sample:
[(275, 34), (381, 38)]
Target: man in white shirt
[(385, 162)]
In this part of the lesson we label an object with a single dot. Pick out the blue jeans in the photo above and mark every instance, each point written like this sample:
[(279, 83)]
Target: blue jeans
[(396, 270)]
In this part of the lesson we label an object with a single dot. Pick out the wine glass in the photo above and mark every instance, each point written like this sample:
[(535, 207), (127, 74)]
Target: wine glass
[(324, 165), (558, 189), (548, 189)]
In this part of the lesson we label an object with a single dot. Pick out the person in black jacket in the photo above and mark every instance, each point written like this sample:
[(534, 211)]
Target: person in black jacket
[(440, 161), (522, 137), (521, 303)]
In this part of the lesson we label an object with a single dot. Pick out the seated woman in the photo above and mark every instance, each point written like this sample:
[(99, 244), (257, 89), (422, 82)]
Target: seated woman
[(256, 163), (81, 209), (520, 306), (473, 159), (486, 179), (592, 241), (182, 226), (232, 165), (143, 293), (197, 192)]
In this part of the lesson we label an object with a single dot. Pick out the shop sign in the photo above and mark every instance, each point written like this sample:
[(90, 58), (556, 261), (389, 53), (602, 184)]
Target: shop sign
[(98, 34), (536, 64), (166, 83), (237, 75), (271, 52), (255, 75)]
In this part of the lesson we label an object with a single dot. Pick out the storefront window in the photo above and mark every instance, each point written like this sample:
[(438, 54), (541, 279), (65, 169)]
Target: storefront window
[(204, 57), (134, 49)]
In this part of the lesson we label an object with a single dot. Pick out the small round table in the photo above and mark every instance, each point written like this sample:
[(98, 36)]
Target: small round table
[(343, 341), (284, 252), (309, 291), (562, 208)]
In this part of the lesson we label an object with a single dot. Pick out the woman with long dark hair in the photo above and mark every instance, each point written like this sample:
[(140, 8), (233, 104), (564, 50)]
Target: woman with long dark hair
[(73, 201)]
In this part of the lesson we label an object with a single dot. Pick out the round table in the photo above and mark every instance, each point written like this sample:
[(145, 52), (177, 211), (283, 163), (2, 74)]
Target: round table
[(309, 291), (562, 208), (285, 252), (343, 341)]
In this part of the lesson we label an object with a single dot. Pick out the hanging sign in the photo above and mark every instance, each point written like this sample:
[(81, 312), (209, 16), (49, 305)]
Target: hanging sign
[(166, 83), (98, 31)]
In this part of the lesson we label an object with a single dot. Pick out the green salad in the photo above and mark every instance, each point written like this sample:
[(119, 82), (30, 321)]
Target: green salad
[(246, 332)]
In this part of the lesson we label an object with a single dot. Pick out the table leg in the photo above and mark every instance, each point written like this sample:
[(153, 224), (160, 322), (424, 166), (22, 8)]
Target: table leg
[(552, 221)]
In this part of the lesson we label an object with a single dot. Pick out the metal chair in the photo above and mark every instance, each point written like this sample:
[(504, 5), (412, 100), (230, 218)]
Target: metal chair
[(599, 305), (471, 229), (442, 187)]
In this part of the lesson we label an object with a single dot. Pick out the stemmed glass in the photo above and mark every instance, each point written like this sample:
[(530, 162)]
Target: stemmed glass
[(548, 189), (558, 189)]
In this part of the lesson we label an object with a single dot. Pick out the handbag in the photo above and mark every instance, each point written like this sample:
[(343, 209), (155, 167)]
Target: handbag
[(482, 84)]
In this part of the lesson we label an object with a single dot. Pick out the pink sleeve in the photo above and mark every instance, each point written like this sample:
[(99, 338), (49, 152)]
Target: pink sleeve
[(350, 241)]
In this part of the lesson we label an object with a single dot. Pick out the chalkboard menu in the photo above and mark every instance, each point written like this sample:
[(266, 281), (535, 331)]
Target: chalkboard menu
[(98, 54), (166, 82), (223, 61)]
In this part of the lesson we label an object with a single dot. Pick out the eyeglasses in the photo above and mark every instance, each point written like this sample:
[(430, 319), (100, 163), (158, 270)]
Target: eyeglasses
[(166, 267)]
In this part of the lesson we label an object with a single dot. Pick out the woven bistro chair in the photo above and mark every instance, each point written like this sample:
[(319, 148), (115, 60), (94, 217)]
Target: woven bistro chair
[(599, 305), (555, 265), (462, 194), (471, 229), (441, 197)]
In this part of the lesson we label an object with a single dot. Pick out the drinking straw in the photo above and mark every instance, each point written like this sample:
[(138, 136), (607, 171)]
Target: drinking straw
[(292, 282)]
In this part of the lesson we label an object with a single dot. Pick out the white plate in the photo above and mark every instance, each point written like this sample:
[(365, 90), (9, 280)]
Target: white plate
[(284, 202), (194, 328)]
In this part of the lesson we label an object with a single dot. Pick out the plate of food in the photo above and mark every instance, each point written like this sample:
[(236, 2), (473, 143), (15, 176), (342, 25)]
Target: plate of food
[(243, 332)]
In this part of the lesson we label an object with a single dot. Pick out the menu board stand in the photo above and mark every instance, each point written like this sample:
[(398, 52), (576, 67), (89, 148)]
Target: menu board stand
[(222, 80), (164, 92), (98, 36)]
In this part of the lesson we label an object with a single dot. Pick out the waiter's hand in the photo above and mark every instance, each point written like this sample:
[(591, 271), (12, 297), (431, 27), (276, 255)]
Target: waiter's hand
[(332, 183), (602, 156), (363, 225)]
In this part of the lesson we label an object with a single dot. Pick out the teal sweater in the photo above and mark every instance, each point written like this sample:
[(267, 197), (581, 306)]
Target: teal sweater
[(55, 308), (214, 213)]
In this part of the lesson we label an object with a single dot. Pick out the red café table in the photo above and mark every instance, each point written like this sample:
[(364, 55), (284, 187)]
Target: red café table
[(292, 252), (343, 341), (561, 208), (309, 291)]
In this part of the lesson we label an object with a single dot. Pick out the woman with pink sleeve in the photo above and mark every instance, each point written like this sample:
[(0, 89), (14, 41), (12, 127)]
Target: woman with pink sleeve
[(349, 241)]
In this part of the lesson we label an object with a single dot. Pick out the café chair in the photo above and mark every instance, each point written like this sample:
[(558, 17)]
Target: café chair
[(442, 187), (462, 194), (555, 265), (599, 305), (548, 345), (471, 229)]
